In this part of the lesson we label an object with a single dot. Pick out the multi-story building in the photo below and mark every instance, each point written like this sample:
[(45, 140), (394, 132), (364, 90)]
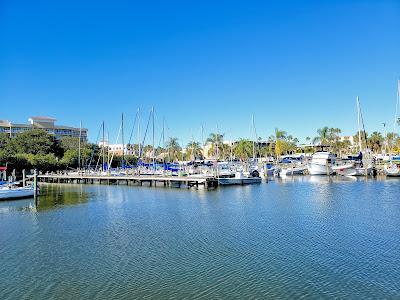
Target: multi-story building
[(45, 123), (116, 149)]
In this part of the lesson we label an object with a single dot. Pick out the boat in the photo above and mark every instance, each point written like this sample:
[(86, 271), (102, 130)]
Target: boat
[(294, 170), (392, 169), (11, 192), (346, 169), (353, 167), (240, 179), (321, 163)]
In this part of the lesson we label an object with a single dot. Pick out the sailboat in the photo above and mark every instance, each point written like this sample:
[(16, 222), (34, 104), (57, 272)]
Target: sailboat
[(392, 169), (356, 165)]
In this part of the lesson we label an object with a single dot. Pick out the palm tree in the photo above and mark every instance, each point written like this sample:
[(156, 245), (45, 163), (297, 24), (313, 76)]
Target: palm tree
[(174, 150), (391, 139), (280, 143), (323, 136), (217, 147), (243, 149), (376, 141), (280, 134), (194, 150)]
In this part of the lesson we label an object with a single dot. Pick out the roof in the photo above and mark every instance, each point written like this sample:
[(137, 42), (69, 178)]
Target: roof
[(43, 119)]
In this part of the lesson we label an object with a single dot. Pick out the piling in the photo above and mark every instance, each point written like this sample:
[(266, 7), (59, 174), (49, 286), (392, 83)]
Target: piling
[(35, 185), (23, 178)]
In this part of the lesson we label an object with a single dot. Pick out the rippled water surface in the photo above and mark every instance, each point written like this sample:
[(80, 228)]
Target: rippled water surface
[(304, 237)]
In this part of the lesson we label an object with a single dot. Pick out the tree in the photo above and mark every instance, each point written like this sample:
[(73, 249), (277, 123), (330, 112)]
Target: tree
[(323, 136), (280, 143), (217, 145), (173, 148), (391, 139), (4, 140), (243, 149), (193, 151), (376, 141), (70, 142), (44, 163), (36, 141)]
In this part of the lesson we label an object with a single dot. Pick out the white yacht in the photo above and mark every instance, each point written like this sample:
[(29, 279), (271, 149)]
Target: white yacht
[(321, 163)]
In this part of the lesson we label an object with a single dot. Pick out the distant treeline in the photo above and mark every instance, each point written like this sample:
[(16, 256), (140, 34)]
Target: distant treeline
[(36, 149)]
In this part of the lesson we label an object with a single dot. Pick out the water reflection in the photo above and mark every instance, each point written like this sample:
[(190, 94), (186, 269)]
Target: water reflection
[(57, 195), (262, 241)]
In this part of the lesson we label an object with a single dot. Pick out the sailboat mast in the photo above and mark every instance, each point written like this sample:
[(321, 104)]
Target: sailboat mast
[(163, 139), (396, 117), (202, 135), (359, 125), (138, 135), (79, 145), (104, 150), (254, 141), (122, 139), (152, 110)]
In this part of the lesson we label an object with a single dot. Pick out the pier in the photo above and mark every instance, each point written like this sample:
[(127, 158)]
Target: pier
[(150, 180)]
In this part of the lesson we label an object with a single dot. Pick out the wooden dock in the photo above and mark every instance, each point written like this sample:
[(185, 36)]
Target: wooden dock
[(150, 180)]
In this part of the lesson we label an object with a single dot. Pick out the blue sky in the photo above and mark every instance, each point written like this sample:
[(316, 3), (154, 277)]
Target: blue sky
[(295, 65)]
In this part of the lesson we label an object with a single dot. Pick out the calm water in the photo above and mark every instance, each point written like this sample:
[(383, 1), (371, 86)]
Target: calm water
[(308, 237)]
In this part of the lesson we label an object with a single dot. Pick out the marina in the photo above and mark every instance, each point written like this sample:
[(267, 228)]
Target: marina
[(285, 239), (199, 150)]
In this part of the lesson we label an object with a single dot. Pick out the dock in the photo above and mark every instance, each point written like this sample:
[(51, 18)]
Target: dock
[(150, 180)]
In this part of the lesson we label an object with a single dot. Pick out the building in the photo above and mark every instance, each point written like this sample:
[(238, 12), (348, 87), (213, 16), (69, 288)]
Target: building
[(351, 140), (45, 123), (116, 149)]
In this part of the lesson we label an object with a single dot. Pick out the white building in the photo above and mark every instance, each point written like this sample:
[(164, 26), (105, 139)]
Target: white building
[(116, 149)]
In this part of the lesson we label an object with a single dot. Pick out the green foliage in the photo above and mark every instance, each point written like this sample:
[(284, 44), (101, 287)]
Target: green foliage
[(70, 143), (35, 141), (173, 149), (243, 149), (194, 151), (4, 140), (44, 163)]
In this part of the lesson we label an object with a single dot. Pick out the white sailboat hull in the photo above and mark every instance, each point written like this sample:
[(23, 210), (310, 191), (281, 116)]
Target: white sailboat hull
[(16, 193)]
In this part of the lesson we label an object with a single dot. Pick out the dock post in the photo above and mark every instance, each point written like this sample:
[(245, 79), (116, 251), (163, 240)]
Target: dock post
[(13, 178), (23, 178), (35, 187)]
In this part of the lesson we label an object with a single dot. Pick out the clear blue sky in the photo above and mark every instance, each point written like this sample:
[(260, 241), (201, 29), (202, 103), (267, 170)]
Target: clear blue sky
[(295, 65)]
